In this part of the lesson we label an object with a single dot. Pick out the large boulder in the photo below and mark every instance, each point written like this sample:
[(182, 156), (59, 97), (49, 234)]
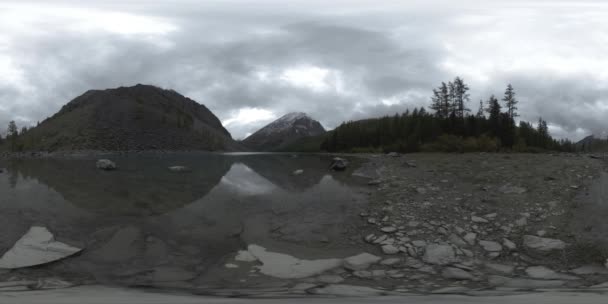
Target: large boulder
[(543, 244), (106, 164), (439, 254), (338, 164)]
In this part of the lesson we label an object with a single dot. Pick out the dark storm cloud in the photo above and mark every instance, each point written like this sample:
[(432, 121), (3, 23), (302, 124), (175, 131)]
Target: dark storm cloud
[(336, 61)]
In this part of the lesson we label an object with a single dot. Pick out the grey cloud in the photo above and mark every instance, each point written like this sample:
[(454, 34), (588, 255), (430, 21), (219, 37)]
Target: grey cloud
[(217, 50)]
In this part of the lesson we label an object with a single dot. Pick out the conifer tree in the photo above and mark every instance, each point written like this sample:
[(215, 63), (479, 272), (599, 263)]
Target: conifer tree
[(511, 102)]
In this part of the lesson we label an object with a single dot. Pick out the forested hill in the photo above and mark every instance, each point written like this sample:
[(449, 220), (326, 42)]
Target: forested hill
[(448, 126)]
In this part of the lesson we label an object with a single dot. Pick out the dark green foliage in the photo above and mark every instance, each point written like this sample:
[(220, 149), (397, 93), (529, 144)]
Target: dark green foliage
[(13, 136), (448, 129)]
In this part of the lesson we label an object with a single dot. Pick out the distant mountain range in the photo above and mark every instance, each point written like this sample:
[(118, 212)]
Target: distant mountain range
[(140, 117), (284, 131)]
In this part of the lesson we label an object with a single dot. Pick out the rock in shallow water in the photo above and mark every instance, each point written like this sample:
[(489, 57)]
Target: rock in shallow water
[(36, 247), (179, 169), (106, 164), (338, 164)]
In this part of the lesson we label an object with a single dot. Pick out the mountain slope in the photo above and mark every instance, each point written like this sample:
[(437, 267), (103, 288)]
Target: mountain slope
[(283, 131), (141, 117)]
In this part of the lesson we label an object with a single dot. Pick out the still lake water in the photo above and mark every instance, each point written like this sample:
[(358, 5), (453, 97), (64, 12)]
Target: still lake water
[(145, 225)]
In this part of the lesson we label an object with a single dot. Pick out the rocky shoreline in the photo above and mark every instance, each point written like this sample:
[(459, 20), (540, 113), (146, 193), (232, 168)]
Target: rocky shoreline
[(472, 224), (460, 223)]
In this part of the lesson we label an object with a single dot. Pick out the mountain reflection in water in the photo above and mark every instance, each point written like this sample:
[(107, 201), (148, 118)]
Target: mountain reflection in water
[(143, 215)]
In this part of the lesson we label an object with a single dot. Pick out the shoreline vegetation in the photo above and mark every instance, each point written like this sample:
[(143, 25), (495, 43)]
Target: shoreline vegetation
[(447, 126)]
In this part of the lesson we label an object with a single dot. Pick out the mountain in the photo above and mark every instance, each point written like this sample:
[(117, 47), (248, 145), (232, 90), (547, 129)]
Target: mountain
[(283, 131), (141, 117), (592, 144)]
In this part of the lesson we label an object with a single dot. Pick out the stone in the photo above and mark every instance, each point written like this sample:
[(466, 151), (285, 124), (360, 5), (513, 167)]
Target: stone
[(284, 266), (490, 246), (413, 224), (419, 243), (329, 279), (231, 266), (338, 164), (298, 172), (388, 229), (106, 164), (527, 284), (477, 219), (36, 247), (390, 261), (509, 244), (347, 291), (590, 270), (421, 190), (245, 256), (490, 216), (451, 290), (374, 182), (361, 261), (456, 240), (453, 273), (393, 154), (521, 222), (179, 169), (381, 239), (500, 268), (390, 249), (543, 244), (510, 189), (544, 273), (438, 254), (541, 233), (470, 238)]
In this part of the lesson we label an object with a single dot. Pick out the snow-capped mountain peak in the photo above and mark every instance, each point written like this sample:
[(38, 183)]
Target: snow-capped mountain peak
[(284, 130)]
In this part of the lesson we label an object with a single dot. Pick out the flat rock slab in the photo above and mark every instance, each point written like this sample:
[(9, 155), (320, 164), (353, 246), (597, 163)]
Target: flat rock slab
[(542, 272), (348, 291), (284, 266), (590, 269), (543, 244), (439, 254), (524, 283), (36, 247), (361, 261)]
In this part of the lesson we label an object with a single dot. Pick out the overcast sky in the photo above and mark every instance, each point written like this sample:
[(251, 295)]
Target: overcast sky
[(252, 61)]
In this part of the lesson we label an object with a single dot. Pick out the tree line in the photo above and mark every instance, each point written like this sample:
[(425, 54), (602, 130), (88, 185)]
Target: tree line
[(448, 126)]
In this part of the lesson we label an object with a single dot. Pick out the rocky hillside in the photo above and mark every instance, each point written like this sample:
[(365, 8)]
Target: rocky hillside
[(141, 117), (283, 131)]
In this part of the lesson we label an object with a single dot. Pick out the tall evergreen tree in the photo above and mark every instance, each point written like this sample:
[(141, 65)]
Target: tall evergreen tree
[(493, 110), (480, 112), (511, 102), (13, 134), (461, 96)]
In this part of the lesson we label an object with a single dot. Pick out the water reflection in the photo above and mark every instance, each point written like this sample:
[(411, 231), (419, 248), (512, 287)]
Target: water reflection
[(144, 216)]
